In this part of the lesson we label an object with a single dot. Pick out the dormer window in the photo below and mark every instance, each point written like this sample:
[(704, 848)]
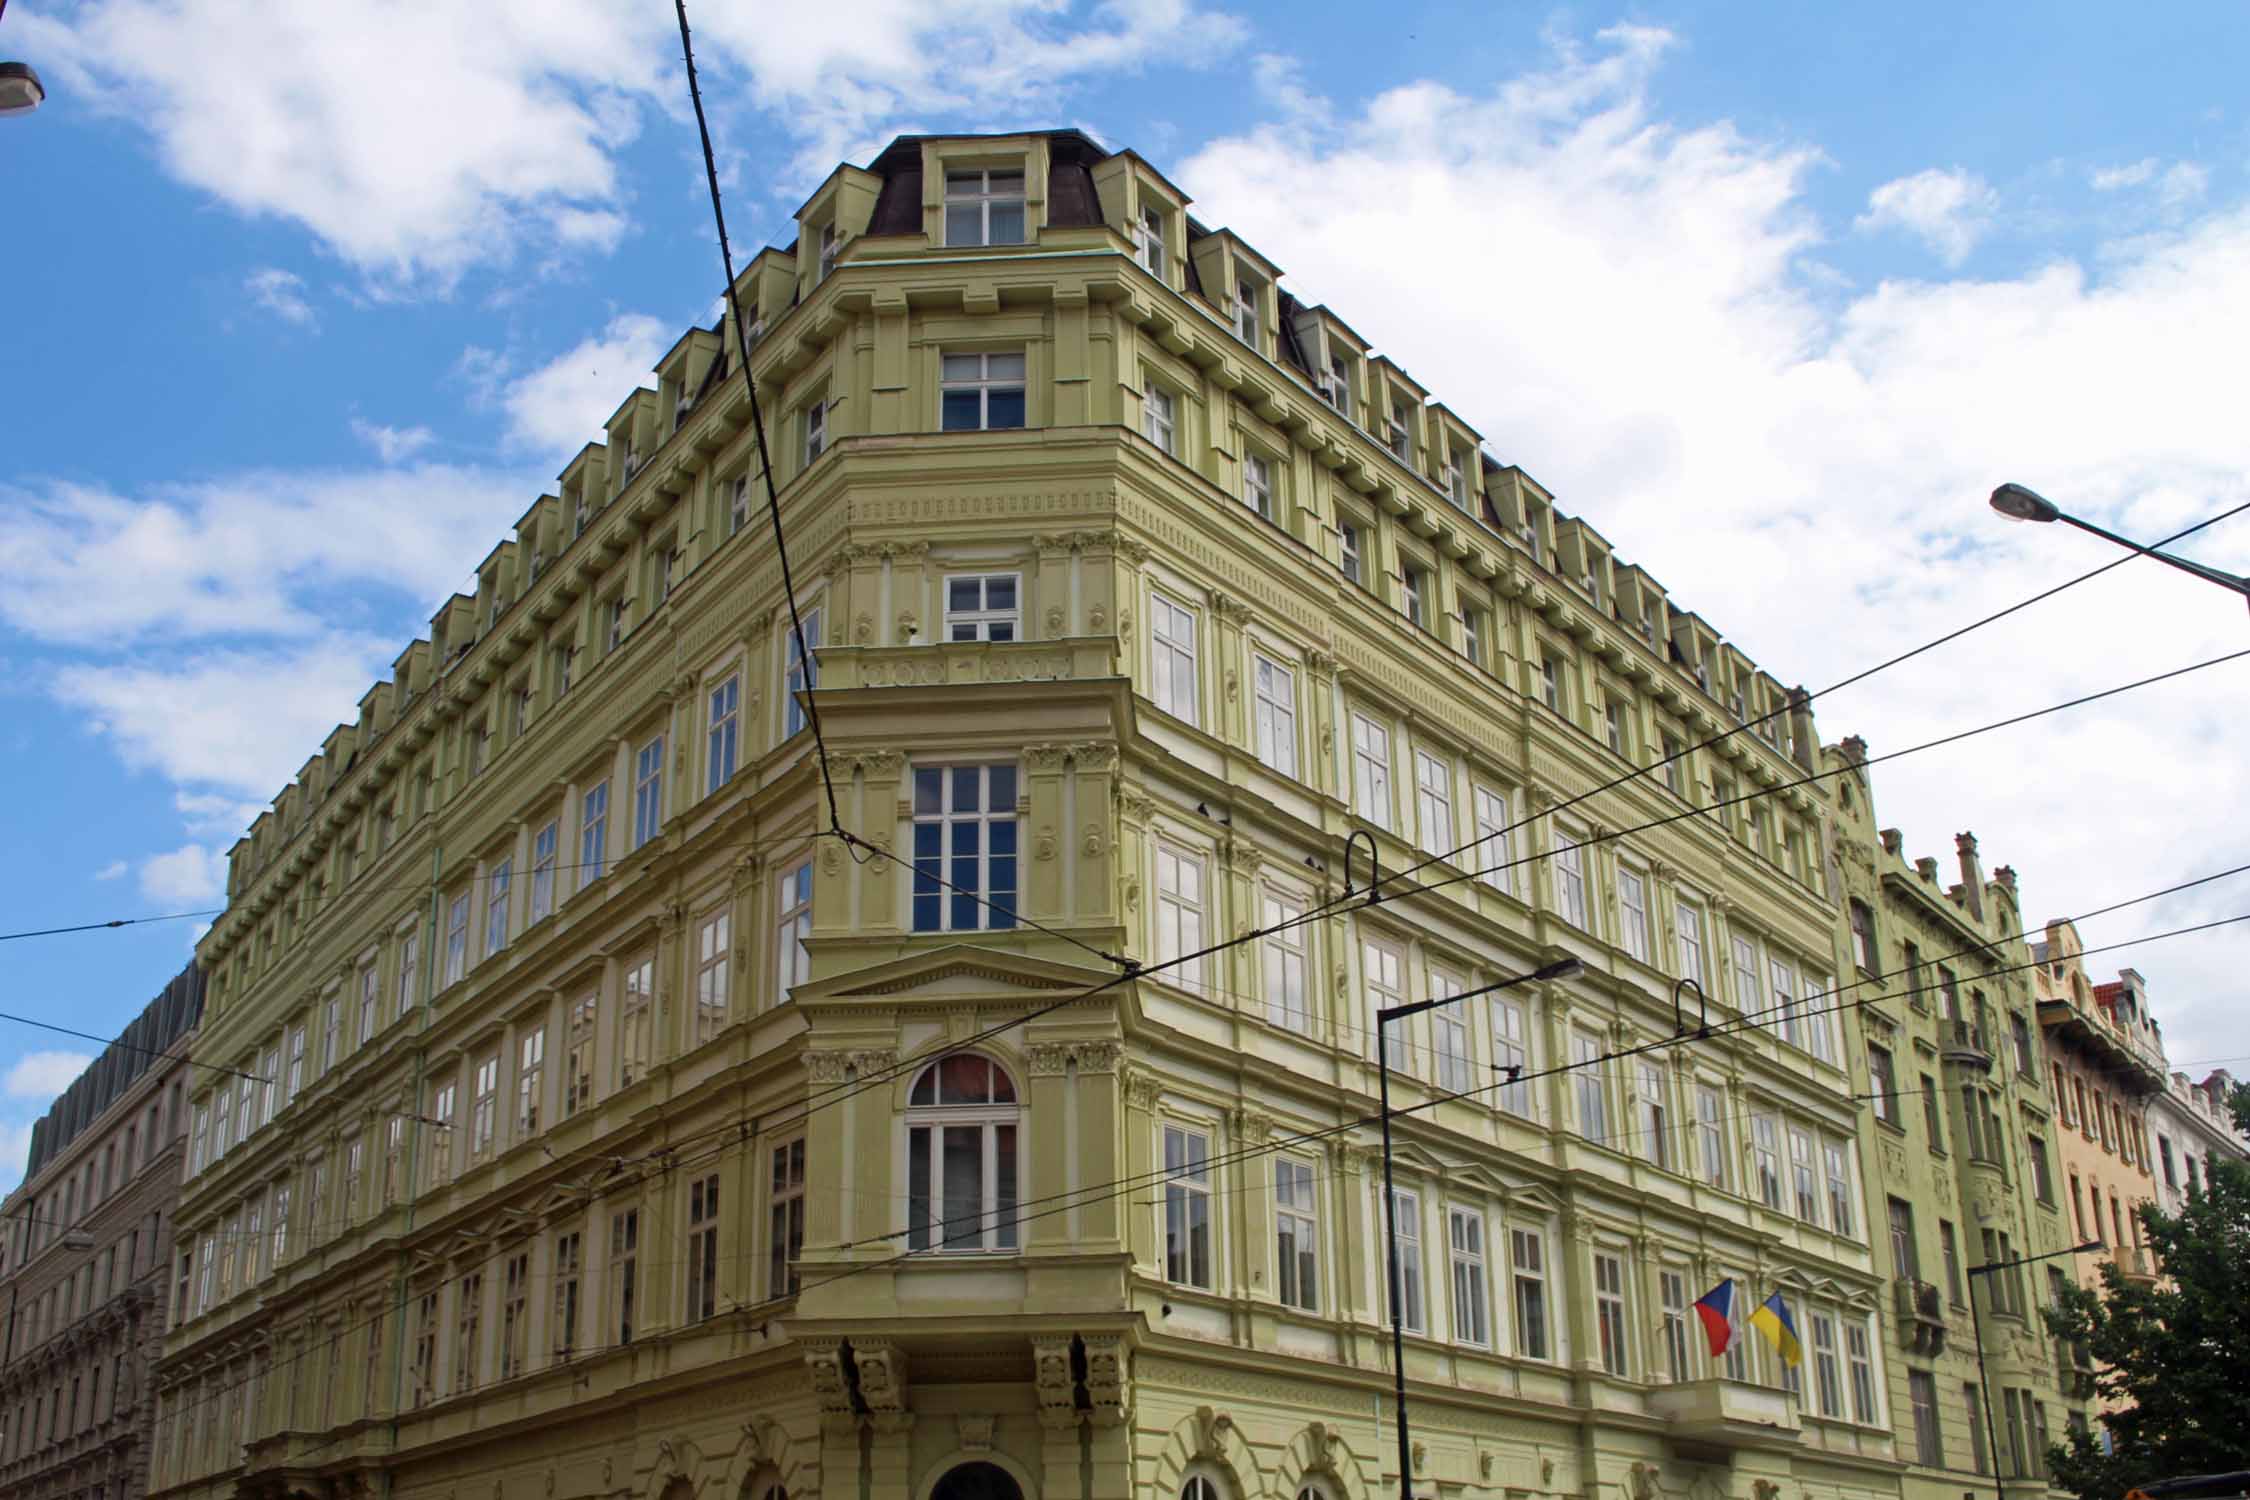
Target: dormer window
[(1529, 531), (1395, 430), (1734, 706), (1456, 482), (1148, 243), (828, 248), (1593, 583), (1339, 390), (984, 207), (1246, 308)]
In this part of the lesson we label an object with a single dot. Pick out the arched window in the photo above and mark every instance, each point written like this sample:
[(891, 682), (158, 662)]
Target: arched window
[(977, 1481), (961, 1156), (1312, 1489), (1200, 1487)]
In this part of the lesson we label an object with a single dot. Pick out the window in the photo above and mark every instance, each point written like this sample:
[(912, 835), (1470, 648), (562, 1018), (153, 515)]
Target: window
[(1785, 999), (593, 831), (1880, 1074), (1284, 944), (543, 844), (531, 1077), (1180, 915), (648, 791), (1690, 935), (1414, 589), (515, 1315), (495, 926), (797, 674), (703, 1248), (1148, 242), (1651, 1115), (1951, 1251), (961, 1156), (456, 962), (560, 660), (1859, 1358), (1933, 1112), (578, 1058), (964, 833), (1172, 657), (983, 607), (1929, 1441), (483, 1104), (1246, 308), (624, 1270), (1160, 419), (1749, 994), (1275, 690), (1449, 1035), (1511, 1054), (1527, 1255), (815, 427), (1550, 683), (1672, 1292), (1609, 1310), (1476, 629), (2042, 1175), (1613, 725), (984, 206), (1465, 1247), (1406, 1214), (1632, 913), (738, 504), (714, 951), (633, 1022), (568, 1265), (1398, 431), (1765, 1155), (1801, 1176), (1592, 1087), (793, 963), (2020, 1030), (1836, 1168), (1711, 1136), (1371, 770), (1384, 971), (1496, 856), (1352, 553), (1906, 1257), (1570, 880), (467, 1336), (1863, 937), (424, 1389), (1978, 1416), (981, 392), (1826, 1387), (722, 738), (1433, 800), (441, 1133), (1257, 484), (785, 1238), (296, 1069), (1296, 1235)]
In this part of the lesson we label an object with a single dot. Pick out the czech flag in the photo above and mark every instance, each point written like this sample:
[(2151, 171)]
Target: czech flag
[(1716, 1309), (1772, 1319)]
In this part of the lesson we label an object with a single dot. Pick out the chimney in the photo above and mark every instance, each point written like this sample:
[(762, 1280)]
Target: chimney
[(1893, 841), (1926, 867), (1855, 750), (2006, 875), (1972, 874)]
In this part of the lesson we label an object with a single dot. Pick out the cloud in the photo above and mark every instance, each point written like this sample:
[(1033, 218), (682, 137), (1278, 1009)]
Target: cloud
[(281, 293), (112, 870), (189, 876), (15, 1152), (1630, 307), (2177, 186), (2182, 183), (40, 1076), (2110, 179), (1948, 211), (392, 444), (494, 129), (261, 553), (558, 407)]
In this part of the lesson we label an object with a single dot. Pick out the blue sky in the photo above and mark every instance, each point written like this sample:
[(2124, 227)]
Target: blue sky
[(1771, 295)]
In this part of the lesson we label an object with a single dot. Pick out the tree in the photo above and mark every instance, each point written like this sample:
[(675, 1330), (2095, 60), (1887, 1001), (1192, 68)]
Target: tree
[(2174, 1356)]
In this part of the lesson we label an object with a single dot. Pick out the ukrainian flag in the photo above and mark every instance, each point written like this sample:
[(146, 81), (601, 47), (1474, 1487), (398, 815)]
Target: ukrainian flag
[(1772, 1319)]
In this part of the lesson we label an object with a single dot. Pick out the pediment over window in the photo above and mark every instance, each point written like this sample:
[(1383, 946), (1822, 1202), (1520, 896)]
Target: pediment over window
[(956, 971)]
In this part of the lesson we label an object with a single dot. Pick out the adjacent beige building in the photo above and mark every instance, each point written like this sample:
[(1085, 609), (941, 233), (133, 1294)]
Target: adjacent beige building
[(626, 1135)]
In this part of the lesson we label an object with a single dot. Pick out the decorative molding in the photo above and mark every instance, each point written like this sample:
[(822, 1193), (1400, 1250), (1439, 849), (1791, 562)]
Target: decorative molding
[(1057, 1392), (1054, 1059), (976, 1431), (1109, 1382)]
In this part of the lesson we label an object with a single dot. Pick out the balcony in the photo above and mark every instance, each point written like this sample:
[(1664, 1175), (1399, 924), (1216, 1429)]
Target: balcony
[(2138, 1067), (1712, 1419), (1921, 1316), (2133, 1263), (2077, 1372), (1963, 1043)]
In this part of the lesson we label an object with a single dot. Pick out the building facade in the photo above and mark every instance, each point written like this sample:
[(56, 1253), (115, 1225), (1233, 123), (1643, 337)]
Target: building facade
[(85, 1245), (627, 1133), (2191, 1127), (1962, 1165)]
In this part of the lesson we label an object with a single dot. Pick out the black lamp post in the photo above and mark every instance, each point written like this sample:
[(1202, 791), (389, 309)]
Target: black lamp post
[(1976, 1326), (20, 89), (2020, 504), (1560, 969)]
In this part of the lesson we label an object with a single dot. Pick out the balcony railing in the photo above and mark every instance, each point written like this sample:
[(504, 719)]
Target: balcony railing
[(1964, 1042), (1720, 1416), (1921, 1316)]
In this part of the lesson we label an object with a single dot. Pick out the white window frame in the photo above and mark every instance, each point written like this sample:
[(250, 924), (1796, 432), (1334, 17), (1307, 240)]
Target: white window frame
[(1590, 1084), (1174, 661), (1148, 243), (987, 376), (1433, 801), (815, 426), (546, 844), (989, 819), (1512, 1044), (792, 963), (983, 198), (1711, 1135), (1181, 909), (1188, 1227), (984, 621), (496, 904), (1160, 418), (722, 738), (1246, 319), (1406, 1209), (1450, 1049), (531, 1079), (648, 791), (797, 674), (1296, 1229), (714, 958), (1569, 865), (635, 1008), (1536, 1337), (1612, 1338), (1288, 991), (593, 832), (1371, 771), (1274, 715), (1351, 551), (1257, 484), (1382, 972), (1688, 932), (1632, 911), (1465, 1254), (1495, 852)]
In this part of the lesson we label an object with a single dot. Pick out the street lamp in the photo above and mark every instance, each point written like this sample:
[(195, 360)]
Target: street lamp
[(2020, 504), (1976, 1328), (20, 88), (1562, 968)]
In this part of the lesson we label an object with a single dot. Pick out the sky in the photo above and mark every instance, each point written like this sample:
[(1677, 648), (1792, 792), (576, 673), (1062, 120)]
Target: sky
[(307, 304)]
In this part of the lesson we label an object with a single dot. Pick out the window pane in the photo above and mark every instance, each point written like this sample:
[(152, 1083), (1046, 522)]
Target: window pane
[(961, 593), (928, 788), (1004, 366), (1004, 1190), (964, 1184), (964, 224), (1005, 409), (961, 367), (1003, 789), (918, 1186), (959, 412), (1000, 592), (1005, 182), (965, 789)]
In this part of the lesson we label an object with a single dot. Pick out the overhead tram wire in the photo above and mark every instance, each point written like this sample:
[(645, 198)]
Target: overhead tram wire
[(845, 1089), (114, 922)]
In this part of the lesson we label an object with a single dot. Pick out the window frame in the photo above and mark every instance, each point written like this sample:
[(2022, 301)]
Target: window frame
[(1175, 657), (984, 383), (999, 1167), (984, 200), (989, 820), (981, 620), (1274, 713)]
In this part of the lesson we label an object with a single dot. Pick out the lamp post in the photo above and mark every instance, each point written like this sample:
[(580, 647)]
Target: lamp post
[(1976, 1331), (20, 89), (1560, 969), (2020, 504)]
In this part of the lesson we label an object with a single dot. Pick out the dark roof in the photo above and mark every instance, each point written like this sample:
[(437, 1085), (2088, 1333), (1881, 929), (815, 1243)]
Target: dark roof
[(161, 1023), (1071, 200)]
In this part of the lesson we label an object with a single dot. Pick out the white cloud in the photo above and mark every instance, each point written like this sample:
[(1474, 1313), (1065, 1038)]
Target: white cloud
[(15, 1152), (262, 553), (2110, 179), (560, 406), (112, 870), (189, 876), (1948, 211), (392, 444), (2182, 183), (40, 1076), (492, 128), (1629, 314), (281, 293)]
